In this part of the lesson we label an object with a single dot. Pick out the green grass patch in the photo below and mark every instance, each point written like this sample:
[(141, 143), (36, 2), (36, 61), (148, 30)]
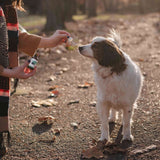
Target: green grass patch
[(103, 17), (79, 17), (32, 21)]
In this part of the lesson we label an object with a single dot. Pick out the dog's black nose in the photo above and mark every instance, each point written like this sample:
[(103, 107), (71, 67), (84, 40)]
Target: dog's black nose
[(80, 49)]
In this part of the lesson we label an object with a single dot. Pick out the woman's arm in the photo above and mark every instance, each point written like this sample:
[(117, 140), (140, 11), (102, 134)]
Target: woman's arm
[(28, 43), (57, 38)]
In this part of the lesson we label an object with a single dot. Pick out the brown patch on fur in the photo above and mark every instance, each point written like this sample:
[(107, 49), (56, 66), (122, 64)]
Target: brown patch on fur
[(109, 55)]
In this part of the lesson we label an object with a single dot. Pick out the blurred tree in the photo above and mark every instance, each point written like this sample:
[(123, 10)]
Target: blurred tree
[(32, 6), (142, 5), (55, 14), (111, 5), (81, 6), (70, 9), (105, 5), (91, 8), (58, 12)]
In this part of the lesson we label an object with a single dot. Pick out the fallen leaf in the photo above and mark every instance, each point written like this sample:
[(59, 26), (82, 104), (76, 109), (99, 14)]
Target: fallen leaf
[(145, 150), (85, 85), (35, 104), (57, 131), (44, 103), (53, 88), (139, 60), (54, 138), (54, 93), (46, 119)]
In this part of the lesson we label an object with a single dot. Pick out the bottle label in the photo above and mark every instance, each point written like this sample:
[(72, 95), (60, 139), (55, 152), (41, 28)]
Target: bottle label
[(32, 63)]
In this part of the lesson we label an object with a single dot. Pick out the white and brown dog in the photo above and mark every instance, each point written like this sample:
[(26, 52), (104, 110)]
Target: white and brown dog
[(118, 80)]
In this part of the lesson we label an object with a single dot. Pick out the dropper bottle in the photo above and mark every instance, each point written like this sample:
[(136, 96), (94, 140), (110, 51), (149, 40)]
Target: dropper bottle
[(34, 60)]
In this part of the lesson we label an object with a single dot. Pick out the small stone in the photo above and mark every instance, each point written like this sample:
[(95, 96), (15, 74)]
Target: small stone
[(73, 102), (152, 92), (59, 73), (65, 69), (154, 56), (144, 74), (51, 78), (157, 64), (74, 125), (52, 95), (58, 51), (93, 104)]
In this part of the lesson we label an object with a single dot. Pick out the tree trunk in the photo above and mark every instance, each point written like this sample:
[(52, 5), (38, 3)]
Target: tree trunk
[(81, 6), (105, 5), (142, 6), (70, 9), (55, 15), (91, 8)]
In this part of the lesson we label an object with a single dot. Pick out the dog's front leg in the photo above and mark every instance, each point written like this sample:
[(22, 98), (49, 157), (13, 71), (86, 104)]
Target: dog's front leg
[(127, 116), (103, 112), (112, 117)]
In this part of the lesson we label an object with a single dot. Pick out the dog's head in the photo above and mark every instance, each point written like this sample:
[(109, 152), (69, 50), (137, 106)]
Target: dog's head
[(106, 53)]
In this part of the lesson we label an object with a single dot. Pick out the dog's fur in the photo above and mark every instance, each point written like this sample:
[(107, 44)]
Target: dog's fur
[(118, 81)]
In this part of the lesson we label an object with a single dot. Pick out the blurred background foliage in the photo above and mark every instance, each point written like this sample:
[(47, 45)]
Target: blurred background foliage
[(54, 13)]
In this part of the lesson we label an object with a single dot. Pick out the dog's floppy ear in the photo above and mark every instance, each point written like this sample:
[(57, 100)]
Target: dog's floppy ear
[(110, 56)]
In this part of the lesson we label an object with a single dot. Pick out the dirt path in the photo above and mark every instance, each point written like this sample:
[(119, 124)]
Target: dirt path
[(31, 140)]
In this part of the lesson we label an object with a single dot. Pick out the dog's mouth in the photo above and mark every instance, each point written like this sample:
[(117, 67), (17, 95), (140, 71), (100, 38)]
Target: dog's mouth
[(80, 49)]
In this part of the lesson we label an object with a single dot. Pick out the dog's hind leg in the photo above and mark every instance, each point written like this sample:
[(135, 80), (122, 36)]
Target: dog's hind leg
[(103, 112), (127, 116)]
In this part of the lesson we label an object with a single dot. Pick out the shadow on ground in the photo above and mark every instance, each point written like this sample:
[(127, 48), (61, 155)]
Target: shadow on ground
[(41, 128), (117, 150)]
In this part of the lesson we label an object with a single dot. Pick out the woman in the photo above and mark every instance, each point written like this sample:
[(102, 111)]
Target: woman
[(12, 41)]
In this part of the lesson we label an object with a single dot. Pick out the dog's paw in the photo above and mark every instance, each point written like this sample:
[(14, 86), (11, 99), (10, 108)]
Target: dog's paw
[(128, 138)]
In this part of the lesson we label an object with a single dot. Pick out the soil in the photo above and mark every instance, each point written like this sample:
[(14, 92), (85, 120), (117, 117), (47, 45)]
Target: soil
[(31, 140)]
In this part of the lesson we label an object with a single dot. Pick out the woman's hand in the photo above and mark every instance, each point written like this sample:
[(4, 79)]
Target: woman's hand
[(57, 38), (18, 72)]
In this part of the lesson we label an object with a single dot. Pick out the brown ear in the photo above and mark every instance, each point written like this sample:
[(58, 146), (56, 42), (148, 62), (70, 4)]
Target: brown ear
[(112, 57)]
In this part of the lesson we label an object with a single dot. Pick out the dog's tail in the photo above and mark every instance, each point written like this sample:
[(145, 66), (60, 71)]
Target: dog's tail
[(114, 36)]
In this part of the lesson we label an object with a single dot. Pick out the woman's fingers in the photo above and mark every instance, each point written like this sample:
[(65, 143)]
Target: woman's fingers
[(63, 32)]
